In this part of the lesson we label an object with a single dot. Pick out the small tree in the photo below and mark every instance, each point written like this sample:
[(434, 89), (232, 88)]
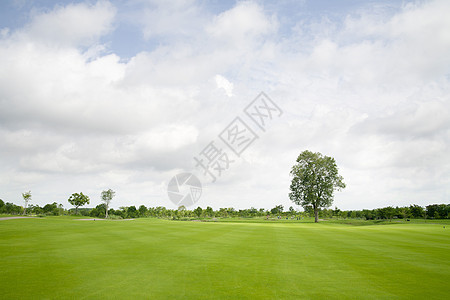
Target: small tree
[(78, 200), (107, 197), (132, 212), (315, 178), (143, 211), (209, 212), (27, 198), (198, 211)]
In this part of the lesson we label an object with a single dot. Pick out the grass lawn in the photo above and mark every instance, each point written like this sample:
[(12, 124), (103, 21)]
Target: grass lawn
[(61, 257)]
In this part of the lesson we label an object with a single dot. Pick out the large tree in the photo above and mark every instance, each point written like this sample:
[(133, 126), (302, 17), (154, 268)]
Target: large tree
[(78, 200), (315, 177), (26, 197), (107, 197)]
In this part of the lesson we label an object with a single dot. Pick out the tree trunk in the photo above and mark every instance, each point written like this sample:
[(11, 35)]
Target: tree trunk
[(316, 215), (106, 216)]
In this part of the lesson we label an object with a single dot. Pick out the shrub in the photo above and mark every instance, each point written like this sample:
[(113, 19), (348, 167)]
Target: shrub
[(114, 217)]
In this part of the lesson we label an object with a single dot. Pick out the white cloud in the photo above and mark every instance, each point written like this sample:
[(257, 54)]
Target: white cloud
[(241, 26), (410, 45), (161, 19), (72, 25), (244, 20), (223, 83)]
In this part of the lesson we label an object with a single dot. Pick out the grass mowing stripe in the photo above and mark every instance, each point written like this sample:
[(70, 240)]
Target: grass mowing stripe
[(397, 265)]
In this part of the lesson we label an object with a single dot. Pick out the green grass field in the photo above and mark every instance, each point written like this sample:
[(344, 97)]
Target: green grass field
[(61, 257)]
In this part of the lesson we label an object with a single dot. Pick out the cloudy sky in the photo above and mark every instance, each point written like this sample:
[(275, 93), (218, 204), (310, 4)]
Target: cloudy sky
[(124, 94)]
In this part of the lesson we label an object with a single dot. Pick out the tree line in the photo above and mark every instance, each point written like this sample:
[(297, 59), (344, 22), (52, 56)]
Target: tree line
[(433, 211)]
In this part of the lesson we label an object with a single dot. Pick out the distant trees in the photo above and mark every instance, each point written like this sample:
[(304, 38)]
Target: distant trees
[(387, 212), (209, 212), (438, 211), (10, 208), (315, 178), (416, 211), (143, 211), (434, 211), (26, 198), (106, 198), (223, 212), (99, 211), (51, 209), (78, 200), (277, 210), (198, 211), (132, 212), (291, 210)]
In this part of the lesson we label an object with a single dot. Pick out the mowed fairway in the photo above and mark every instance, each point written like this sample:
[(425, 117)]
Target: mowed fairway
[(158, 259)]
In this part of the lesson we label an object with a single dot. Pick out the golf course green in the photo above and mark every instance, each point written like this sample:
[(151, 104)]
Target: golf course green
[(68, 258)]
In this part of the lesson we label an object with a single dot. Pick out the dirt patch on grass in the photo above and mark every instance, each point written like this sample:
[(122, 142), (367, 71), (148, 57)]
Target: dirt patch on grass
[(10, 218)]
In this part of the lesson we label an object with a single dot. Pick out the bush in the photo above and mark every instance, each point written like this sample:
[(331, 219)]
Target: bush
[(114, 217)]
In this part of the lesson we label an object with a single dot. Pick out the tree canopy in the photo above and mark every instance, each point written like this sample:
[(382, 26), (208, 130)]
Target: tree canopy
[(78, 200), (315, 178)]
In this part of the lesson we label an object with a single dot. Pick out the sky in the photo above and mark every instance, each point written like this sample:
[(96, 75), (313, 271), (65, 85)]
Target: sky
[(128, 94)]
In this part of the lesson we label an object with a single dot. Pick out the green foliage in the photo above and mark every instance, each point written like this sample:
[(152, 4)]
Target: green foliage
[(435, 211), (198, 211), (315, 178), (438, 211), (78, 200), (132, 212), (51, 209), (416, 211), (143, 211), (208, 212), (291, 210), (11, 209), (122, 213), (386, 212), (99, 211), (277, 210), (114, 217)]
